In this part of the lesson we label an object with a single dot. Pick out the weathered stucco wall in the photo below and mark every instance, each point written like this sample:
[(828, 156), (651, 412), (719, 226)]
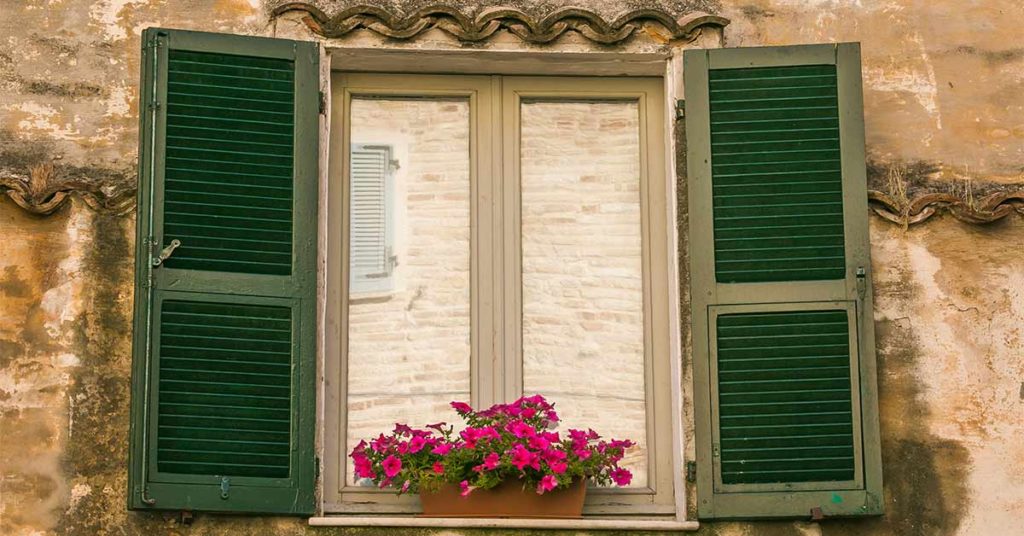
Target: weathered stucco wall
[(944, 98)]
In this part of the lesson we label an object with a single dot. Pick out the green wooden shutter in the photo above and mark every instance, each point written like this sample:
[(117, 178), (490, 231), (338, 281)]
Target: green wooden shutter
[(224, 330), (784, 366)]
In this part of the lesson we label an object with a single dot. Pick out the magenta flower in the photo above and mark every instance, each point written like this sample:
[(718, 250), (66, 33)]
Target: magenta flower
[(466, 488), (416, 444), (551, 415), (547, 483), (364, 467), (441, 449), (392, 466), (552, 456), (582, 454), (622, 477), (438, 468), (492, 461), (558, 467), (528, 413), (521, 457), (462, 408), (538, 443), (380, 444), (521, 429)]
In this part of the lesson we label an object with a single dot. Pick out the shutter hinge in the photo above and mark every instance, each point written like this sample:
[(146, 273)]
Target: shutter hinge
[(680, 109), (225, 487), (715, 450), (165, 253), (691, 471), (323, 103)]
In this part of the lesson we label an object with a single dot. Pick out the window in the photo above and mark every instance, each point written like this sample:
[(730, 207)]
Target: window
[(498, 288), (489, 236)]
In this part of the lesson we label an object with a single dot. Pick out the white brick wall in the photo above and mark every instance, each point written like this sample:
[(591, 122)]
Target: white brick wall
[(582, 266)]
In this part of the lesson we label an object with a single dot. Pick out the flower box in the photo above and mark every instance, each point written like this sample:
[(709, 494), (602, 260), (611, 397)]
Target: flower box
[(507, 461), (511, 498)]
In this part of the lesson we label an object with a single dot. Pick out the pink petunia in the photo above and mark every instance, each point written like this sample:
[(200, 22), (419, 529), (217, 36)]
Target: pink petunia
[(582, 454), (438, 468), (622, 477), (521, 457), (551, 415), (492, 461), (392, 466), (547, 483), (558, 467), (538, 443), (553, 455), (521, 429), (462, 407), (441, 449), (364, 467), (416, 444), (466, 488)]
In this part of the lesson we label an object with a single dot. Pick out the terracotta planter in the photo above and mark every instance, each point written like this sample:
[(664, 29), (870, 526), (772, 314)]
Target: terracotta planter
[(508, 499)]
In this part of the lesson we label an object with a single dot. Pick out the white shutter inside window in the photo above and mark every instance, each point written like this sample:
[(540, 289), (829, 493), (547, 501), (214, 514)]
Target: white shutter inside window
[(371, 258)]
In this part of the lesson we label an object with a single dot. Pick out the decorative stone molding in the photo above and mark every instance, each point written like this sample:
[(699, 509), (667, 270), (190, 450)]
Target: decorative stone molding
[(45, 188), (484, 24), (988, 209)]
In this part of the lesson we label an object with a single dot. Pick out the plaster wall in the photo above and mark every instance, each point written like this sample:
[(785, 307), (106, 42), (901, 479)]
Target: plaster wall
[(944, 109)]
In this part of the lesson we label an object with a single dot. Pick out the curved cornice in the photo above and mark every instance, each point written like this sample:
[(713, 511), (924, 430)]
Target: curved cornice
[(45, 189), (988, 209), (42, 192), (484, 24)]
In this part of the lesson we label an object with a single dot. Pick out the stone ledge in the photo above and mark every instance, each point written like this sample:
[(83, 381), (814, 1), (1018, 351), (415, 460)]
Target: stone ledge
[(503, 523)]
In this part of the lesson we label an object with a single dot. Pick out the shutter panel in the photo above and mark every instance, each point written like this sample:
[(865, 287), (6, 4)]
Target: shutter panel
[(224, 335), (784, 366), (371, 219)]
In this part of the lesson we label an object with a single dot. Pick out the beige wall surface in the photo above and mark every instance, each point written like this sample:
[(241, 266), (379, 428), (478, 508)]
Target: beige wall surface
[(944, 105)]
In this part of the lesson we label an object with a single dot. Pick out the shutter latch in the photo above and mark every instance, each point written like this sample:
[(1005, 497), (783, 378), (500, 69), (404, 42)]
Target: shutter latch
[(166, 252), (225, 487), (862, 284)]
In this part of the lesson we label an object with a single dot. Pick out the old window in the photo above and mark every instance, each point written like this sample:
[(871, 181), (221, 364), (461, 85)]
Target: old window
[(489, 236), (498, 287)]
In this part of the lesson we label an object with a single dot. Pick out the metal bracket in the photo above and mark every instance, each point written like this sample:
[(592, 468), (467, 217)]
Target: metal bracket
[(680, 109), (691, 471), (166, 252), (225, 487), (862, 284), (816, 514), (323, 103)]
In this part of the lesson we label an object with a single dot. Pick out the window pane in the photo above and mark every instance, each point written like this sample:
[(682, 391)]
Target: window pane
[(582, 270), (408, 318)]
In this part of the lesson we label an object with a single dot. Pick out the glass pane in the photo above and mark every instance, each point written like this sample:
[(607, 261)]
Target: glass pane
[(583, 322), (409, 302)]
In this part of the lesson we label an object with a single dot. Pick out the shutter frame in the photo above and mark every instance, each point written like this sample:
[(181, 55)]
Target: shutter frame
[(711, 297), (295, 291)]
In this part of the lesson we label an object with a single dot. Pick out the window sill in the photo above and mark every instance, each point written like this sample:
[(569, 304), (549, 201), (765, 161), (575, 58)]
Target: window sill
[(504, 523)]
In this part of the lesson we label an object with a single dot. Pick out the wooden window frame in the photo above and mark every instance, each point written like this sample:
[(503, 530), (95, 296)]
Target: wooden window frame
[(496, 259)]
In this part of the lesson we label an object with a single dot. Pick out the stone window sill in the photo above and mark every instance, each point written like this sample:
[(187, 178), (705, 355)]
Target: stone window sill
[(503, 523)]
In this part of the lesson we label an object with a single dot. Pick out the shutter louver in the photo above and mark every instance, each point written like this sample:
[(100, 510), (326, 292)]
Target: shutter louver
[(786, 404), (225, 389), (224, 338), (228, 196), (778, 189), (370, 244)]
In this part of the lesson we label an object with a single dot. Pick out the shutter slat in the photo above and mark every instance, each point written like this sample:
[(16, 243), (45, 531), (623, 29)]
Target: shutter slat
[(815, 380)]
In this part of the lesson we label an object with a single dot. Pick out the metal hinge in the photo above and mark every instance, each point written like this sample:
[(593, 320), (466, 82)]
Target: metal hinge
[(680, 109), (225, 487), (691, 471), (323, 103), (715, 450)]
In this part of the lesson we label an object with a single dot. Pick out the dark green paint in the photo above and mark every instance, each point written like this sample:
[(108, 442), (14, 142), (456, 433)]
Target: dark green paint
[(785, 406), (223, 405), (778, 189)]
